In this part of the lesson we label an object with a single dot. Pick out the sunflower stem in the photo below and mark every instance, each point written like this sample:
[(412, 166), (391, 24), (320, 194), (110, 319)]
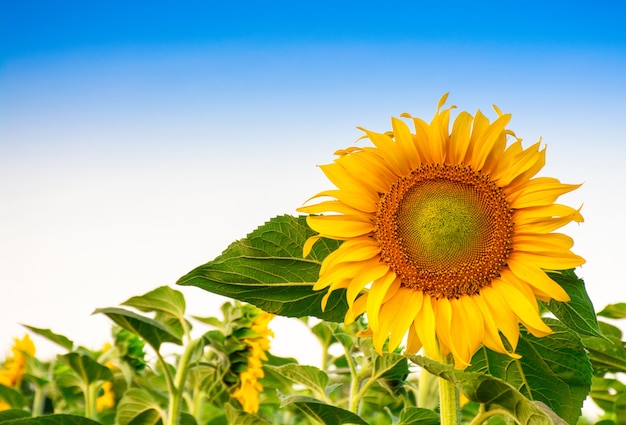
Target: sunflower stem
[(449, 407)]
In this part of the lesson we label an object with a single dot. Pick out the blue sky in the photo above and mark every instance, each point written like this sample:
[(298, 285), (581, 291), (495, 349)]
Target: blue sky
[(138, 139)]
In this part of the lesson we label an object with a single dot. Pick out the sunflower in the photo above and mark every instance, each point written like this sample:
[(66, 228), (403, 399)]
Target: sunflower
[(447, 235), (258, 343), (15, 367)]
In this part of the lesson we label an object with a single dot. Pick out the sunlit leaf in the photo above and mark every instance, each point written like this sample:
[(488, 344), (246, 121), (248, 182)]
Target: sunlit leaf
[(493, 392), (153, 332), (9, 415), (137, 407), (309, 376), (554, 369), (323, 413), (59, 419), (11, 396), (169, 305), (605, 391), (418, 416), (239, 417), (267, 269), (607, 354), (578, 314), (61, 340), (86, 368), (614, 311)]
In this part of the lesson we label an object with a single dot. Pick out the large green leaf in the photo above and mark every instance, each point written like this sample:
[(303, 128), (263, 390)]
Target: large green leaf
[(138, 407), (61, 340), (614, 311), (554, 370), (86, 368), (239, 417), (608, 354), (12, 414), (418, 416), (578, 314), (59, 419), (153, 332), (169, 305), (309, 376), (11, 396), (491, 391), (323, 413), (267, 269)]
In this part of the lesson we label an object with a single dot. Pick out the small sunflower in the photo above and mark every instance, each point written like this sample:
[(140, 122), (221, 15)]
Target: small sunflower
[(247, 393), (447, 234), (15, 367)]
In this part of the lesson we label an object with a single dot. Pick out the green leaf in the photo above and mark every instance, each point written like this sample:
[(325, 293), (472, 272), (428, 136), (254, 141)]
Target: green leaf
[(11, 396), (578, 314), (239, 417), (267, 269), (604, 392), (554, 370), (620, 409), (61, 340), (153, 332), (491, 391), (9, 415), (137, 407), (390, 366), (164, 299), (322, 412), (309, 376), (418, 416), (607, 354), (86, 368), (168, 303), (614, 311), (59, 419)]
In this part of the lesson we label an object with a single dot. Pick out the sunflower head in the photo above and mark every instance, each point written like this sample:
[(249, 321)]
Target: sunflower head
[(254, 336), (15, 366), (447, 234)]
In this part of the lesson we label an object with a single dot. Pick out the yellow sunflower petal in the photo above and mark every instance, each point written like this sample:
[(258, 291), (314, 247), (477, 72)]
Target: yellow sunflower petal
[(525, 311), (376, 295), (339, 226), (538, 279)]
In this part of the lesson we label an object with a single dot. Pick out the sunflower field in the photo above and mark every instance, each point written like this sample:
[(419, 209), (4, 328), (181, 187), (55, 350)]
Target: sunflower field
[(431, 276)]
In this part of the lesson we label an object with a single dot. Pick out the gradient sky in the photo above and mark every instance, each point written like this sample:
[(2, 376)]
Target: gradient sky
[(138, 139)]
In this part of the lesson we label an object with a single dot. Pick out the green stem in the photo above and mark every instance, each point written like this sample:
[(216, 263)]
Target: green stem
[(179, 383), (90, 393), (38, 401), (483, 416), (426, 388), (354, 381), (449, 407)]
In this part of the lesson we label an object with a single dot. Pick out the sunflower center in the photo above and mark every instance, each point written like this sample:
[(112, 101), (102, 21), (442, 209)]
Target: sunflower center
[(445, 230)]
